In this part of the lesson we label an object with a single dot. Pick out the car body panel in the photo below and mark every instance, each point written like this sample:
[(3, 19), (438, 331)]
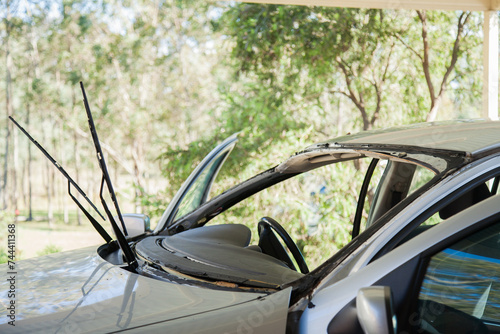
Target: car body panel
[(266, 315), (471, 136), (79, 292), (329, 301)]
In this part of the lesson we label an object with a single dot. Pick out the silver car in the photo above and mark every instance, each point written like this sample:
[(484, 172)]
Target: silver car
[(424, 255)]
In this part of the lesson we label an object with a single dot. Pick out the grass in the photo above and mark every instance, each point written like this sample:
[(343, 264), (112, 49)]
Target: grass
[(57, 216), (49, 249), (56, 226)]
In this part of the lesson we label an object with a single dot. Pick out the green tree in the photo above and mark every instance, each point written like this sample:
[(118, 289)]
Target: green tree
[(307, 52), (446, 56)]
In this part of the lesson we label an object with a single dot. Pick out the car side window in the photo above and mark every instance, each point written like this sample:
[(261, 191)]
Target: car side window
[(198, 192), (461, 288), (468, 198)]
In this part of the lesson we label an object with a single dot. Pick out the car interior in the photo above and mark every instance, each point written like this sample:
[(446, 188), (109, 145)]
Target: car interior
[(224, 253)]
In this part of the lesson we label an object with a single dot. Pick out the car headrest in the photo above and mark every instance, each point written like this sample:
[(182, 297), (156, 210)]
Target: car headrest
[(468, 199)]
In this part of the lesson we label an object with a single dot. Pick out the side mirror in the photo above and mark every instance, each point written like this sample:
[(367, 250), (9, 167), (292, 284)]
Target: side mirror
[(135, 223), (375, 311)]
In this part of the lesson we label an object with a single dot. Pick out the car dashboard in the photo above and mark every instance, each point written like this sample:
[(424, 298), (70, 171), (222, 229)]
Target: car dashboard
[(215, 254)]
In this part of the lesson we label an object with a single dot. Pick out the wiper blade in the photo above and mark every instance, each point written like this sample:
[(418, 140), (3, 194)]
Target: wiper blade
[(71, 182), (122, 242)]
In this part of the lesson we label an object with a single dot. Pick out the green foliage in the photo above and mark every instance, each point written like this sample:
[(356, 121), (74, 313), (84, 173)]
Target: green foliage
[(269, 35), (362, 54), (310, 51), (3, 256), (259, 117), (464, 83), (130, 56), (49, 249)]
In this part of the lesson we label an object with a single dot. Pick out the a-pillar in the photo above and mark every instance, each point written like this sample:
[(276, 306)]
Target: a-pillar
[(490, 63)]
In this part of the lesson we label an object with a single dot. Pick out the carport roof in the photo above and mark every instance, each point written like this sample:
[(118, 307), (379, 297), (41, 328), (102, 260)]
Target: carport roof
[(476, 5)]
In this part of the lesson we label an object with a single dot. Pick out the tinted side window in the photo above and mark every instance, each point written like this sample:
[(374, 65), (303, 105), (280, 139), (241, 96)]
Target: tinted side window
[(461, 288), (198, 192)]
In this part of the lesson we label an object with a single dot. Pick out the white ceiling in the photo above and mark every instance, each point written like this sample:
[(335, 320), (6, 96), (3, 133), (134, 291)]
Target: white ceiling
[(478, 5)]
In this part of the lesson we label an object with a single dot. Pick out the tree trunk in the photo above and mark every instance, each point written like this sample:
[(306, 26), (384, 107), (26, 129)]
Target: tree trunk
[(431, 116), (340, 118), (436, 97), (48, 187), (3, 191), (62, 188), (76, 152), (138, 177), (29, 177), (51, 197), (15, 159), (8, 106)]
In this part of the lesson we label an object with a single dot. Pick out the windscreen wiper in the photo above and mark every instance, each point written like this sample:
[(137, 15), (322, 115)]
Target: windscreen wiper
[(71, 182), (122, 242)]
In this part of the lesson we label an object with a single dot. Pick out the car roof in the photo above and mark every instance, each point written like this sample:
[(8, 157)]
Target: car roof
[(470, 136)]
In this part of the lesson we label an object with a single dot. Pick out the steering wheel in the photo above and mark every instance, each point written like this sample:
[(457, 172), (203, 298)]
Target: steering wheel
[(270, 244)]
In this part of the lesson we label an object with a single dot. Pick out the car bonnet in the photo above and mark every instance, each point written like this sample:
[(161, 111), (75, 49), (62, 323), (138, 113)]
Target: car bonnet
[(78, 291)]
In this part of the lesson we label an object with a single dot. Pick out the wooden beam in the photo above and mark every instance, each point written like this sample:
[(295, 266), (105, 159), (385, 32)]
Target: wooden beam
[(476, 5), (490, 65)]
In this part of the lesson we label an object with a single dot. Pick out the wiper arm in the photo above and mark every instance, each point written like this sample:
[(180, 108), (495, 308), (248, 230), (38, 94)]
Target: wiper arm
[(122, 242), (94, 222), (71, 182)]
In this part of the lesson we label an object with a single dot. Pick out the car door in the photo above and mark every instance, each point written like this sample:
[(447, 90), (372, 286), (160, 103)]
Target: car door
[(460, 289), (452, 286), (195, 190), (451, 270)]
